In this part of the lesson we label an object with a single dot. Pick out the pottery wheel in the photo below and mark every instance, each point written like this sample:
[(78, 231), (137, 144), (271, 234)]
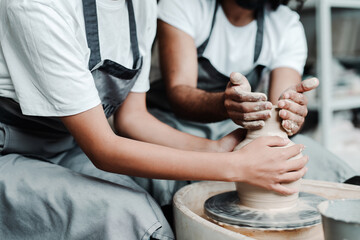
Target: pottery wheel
[(225, 208)]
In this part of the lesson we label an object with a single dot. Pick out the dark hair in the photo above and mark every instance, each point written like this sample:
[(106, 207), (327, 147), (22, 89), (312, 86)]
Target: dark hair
[(276, 3)]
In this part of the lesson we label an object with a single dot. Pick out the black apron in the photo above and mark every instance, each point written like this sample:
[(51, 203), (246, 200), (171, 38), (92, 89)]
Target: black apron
[(209, 78)]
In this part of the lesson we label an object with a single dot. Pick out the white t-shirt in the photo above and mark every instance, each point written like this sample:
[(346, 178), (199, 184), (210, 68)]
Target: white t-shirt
[(231, 48), (44, 54)]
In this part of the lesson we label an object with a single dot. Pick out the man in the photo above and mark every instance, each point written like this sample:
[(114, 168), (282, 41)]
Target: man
[(201, 42)]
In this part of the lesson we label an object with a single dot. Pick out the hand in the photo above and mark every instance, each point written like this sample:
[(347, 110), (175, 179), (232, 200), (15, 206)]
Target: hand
[(293, 104), (230, 141), (244, 107), (264, 164)]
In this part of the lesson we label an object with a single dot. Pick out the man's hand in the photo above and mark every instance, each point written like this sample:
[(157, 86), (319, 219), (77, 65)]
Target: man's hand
[(293, 104), (245, 108)]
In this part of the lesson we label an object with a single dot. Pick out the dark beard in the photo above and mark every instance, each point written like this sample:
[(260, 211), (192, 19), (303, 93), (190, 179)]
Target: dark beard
[(250, 4)]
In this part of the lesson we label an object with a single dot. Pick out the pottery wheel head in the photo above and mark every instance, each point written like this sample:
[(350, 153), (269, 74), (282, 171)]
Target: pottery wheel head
[(225, 208)]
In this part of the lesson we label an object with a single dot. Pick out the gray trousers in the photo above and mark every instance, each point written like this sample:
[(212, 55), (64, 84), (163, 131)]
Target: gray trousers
[(49, 190), (323, 165)]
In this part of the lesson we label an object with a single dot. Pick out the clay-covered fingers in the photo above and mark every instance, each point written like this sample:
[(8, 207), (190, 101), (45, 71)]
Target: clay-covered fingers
[(293, 111), (293, 107), (292, 115), (306, 85), (252, 125), (249, 120), (296, 97), (240, 106), (247, 109), (244, 107), (290, 127), (288, 115), (244, 96), (236, 113), (237, 79)]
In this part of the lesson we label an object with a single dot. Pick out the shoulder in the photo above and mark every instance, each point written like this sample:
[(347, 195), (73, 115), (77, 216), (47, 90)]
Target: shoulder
[(190, 16), (40, 7), (145, 16), (282, 18), (187, 9), (145, 9)]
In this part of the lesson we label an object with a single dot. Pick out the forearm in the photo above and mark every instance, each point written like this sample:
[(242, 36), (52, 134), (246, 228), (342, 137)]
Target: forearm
[(197, 105), (152, 161), (142, 126), (281, 79), (134, 121), (113, 153)]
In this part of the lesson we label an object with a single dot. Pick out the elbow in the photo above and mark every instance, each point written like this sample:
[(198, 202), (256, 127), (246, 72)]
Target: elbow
[(100, 163), (101, 153), (176, 104)]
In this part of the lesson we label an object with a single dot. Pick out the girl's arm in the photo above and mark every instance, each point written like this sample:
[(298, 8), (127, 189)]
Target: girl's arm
[(257, 163)]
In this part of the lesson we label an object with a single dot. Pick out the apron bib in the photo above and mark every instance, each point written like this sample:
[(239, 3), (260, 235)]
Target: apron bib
[(210, 79), (113, 81)]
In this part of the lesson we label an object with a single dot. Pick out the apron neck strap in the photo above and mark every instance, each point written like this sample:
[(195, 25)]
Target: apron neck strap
[(133, 33), (92, 32), (259, 33), (201, 48)]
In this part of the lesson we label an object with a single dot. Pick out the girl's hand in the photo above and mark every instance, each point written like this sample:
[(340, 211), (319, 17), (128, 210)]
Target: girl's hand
[(262, 163)]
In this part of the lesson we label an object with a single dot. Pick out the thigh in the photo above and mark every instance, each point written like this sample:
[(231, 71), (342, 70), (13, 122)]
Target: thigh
[(46, 201), (78, 162), (323, 164)]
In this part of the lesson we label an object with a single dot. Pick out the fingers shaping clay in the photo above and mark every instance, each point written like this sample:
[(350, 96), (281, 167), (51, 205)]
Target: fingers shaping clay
[(259, 198)]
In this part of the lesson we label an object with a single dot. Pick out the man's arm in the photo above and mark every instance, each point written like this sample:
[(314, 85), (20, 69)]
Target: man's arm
[(179, 66)]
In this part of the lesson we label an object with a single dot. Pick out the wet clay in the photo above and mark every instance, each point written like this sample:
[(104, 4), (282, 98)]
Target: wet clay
[(259, 198)]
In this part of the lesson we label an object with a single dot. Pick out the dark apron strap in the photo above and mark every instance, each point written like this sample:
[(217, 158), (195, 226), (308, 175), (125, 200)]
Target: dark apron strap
[(133, 33), (201, 48), (92, 32), (259, 32)]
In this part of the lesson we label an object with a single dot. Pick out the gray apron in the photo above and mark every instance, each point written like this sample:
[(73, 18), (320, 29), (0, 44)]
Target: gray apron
[(211, 80), (50, 190)]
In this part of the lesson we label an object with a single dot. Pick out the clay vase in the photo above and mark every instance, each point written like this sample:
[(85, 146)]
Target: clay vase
[(259, 198)]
